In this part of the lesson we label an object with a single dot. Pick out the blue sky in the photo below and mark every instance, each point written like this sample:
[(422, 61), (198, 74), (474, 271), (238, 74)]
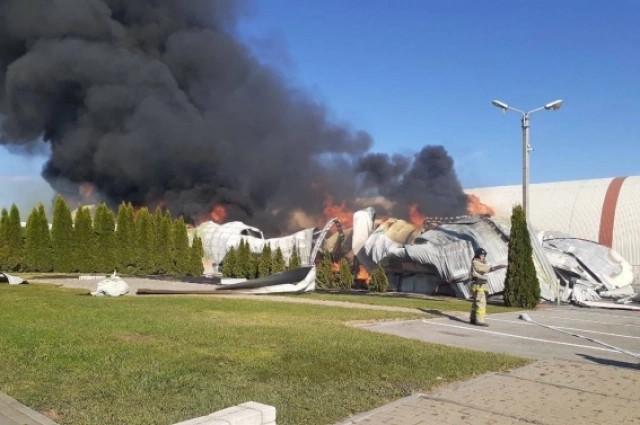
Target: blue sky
[(418, 72)]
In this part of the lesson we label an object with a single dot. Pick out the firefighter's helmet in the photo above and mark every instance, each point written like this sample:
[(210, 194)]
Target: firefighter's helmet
[(479, 252)]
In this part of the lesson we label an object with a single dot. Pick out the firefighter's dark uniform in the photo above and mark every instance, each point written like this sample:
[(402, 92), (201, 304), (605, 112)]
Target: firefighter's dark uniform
[(479, 270)]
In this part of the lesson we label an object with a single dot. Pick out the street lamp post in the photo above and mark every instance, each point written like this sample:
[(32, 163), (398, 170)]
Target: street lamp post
[(526, 147)]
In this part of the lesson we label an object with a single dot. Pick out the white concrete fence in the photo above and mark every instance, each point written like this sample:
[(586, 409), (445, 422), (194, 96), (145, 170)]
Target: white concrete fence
[(249, 413)]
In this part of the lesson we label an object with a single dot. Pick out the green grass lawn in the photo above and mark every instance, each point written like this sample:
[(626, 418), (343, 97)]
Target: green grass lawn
[(86, 360), (417, 301)]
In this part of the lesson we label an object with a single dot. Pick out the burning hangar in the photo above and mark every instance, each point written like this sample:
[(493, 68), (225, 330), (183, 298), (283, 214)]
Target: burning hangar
[(582, 234)]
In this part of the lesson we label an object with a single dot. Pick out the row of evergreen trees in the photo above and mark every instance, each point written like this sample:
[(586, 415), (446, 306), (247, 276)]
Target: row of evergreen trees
[(241, 262), (343, 279), (137, 243)]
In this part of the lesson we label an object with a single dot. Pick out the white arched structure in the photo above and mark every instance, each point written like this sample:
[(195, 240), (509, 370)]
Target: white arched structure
[(217, 239), (606, 211)]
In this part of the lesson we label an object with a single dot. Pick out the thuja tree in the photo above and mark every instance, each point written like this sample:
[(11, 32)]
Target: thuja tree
[(62, 237), (265, 262), (181, 255), (46, 250), (521, 286), (4, 248), (38, 250), (324, 273), (15, 242), (278, 262), (196, 252), (125, 239), (104, 228), (84, 245), (32, 242), (145, 242), (378, 282), (246, 261), (164, 242), (294, 259), (229, 267), (344, 279)]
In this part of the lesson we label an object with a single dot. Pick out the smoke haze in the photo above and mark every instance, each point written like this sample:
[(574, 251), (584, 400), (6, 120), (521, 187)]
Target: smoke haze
[(158, 102)]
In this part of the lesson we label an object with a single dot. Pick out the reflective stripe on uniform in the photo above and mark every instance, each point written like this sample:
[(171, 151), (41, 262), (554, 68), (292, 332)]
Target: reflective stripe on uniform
[(478, 288)]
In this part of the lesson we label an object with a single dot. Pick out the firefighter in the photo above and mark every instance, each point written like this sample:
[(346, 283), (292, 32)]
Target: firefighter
[(479, 270)]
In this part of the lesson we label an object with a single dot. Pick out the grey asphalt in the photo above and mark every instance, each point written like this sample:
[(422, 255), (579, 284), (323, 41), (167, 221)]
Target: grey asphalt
[(573, 381), (507, 334)]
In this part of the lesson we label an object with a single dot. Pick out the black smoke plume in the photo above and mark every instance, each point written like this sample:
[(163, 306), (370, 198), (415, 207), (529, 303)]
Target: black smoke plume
[(157, 101)]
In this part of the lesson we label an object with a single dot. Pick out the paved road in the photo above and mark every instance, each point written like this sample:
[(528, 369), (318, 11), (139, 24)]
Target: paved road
[(574, 381), (507, 334), (548, 392)]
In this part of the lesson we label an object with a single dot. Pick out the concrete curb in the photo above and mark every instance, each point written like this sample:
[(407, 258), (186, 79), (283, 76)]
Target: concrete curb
[(17, 413)]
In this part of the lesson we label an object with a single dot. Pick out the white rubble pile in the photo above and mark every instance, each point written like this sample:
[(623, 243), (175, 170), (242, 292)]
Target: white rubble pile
[(11, 280), (625, 295), (113, 286)]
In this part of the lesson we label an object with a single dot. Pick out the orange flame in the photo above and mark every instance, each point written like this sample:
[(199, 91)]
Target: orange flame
[(363, 275), (415, 216), (86, 190), (218, 214), (339, 211), (136, 211), (335, 267), (475, 206)]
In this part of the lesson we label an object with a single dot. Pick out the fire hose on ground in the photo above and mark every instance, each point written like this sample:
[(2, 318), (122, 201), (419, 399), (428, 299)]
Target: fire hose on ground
[(526, 318)]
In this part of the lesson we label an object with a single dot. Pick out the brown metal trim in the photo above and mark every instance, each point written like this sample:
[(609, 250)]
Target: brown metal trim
[(608, 215)]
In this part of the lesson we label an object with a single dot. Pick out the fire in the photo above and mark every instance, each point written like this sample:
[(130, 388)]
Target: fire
[(339, 211), (363, 275), (335, 267), (475, 206), (136, 211), (86, 190), (415, 216), (218, 214)]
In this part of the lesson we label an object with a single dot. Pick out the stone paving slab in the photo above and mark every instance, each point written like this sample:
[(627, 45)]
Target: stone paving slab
[(14, 413), (421, 410), (542, 402), (618, 382), (549, 392)]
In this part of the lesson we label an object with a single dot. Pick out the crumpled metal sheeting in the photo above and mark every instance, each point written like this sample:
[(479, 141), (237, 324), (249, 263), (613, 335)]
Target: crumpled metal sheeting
[(604, 264), (218, 239), (450, 259), (566, 263), (450, 248), (378, 246), (585, 291), (635, 298), (622, 292), (12, 280)]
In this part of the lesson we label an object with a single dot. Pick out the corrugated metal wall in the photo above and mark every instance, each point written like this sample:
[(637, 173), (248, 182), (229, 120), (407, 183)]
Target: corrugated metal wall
[(576, 207)]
